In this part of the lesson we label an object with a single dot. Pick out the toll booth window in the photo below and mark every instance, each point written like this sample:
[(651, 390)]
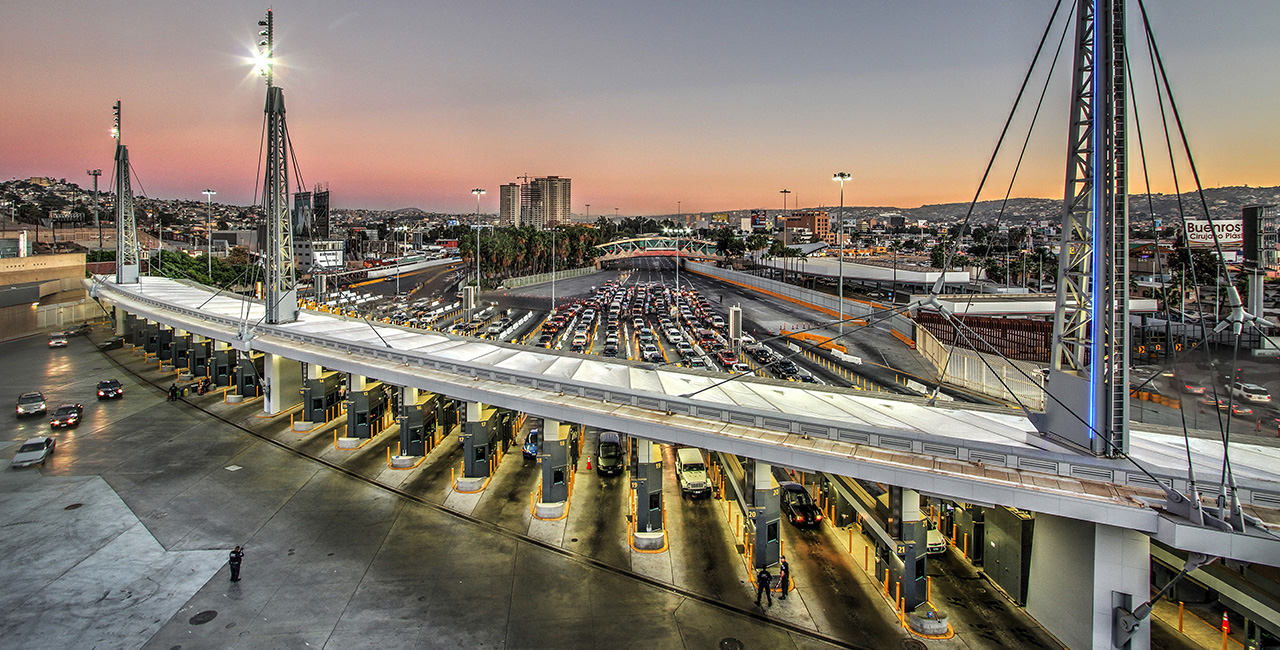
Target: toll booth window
[(558, 477), (771, 532), (362, 419), (655, 501), (920, 575), (481, 453)]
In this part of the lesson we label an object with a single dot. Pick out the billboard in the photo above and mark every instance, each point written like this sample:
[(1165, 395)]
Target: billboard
[(758, 220), (1230, 234)]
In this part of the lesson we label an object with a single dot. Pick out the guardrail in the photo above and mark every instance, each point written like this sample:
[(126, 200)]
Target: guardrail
[(984, 454)]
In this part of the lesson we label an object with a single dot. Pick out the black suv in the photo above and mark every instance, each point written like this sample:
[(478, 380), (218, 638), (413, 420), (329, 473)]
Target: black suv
[(798, 506)]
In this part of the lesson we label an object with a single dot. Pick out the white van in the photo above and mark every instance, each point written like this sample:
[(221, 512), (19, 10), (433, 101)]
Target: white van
[(691, 472)]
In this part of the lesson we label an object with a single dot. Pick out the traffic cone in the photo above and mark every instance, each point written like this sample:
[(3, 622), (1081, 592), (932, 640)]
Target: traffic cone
[(1226, 622), (588, 463)]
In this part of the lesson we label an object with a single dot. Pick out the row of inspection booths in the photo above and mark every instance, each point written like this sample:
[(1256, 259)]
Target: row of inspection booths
[(897, 522), (360, 407), (363, 407)]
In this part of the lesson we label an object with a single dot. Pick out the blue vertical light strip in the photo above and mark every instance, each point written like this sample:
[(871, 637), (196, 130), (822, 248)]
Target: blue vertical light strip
[(1096, 336)]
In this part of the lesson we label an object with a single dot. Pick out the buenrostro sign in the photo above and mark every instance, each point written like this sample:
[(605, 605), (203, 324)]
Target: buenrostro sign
[(1230, 233)]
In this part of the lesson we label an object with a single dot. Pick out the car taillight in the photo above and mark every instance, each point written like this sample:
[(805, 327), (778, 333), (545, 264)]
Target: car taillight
[(818, 518), (100, 393), (799, 517)]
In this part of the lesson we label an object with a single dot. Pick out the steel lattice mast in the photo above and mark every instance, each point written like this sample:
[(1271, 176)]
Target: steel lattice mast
[(127, 265), (281, 277), (1091, 332)]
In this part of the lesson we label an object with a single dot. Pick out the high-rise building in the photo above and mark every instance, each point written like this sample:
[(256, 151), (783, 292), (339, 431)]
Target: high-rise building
[(509, 204), (320, 214), (552, 192), (817, 222)]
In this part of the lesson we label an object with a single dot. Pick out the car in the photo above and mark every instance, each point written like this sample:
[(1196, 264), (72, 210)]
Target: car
[(31, 404), (530, 446), (650, 352), (695, 362), (1191, 387), (726, 358), (740, 368), (113, 343), (79, 330), (35, 451), (1250, 393), (110, 389), (798, 506), (57, 340), (609, 351), (67, 415), (610, 455), (691, 473)]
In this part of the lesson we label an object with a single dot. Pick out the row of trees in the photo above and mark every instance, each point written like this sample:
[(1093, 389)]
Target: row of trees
[(519, 251)]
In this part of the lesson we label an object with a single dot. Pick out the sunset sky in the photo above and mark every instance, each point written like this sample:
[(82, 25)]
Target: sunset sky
[(715, 104)]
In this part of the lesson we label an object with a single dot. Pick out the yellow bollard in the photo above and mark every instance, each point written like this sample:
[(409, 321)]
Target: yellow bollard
[(928, 589), (1181, 608)]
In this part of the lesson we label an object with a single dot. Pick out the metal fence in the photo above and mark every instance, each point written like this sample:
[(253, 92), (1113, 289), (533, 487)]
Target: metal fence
[(823, 302), (512, 283)]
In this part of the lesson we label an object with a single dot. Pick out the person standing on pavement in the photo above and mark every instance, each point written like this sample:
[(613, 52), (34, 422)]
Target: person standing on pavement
[(763, 581), (234, 561), (173, 392), (784, 578)]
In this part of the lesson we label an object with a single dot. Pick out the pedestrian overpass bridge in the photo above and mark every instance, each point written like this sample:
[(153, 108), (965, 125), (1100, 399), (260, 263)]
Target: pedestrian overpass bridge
[(700, 249), (970, 454)]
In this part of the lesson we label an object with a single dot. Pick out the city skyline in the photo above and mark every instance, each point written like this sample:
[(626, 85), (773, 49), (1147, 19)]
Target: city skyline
[(396, 106)]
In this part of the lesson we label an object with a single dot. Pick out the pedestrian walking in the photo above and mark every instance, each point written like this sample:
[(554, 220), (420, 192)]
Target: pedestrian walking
[(234, 561), (784, 578), (763, 580), (173, 392)]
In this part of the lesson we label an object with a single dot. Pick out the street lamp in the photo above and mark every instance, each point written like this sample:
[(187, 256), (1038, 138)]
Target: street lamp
[(678, 217), (615, 214), (784, 194), (553, 270), (209, 254), (95, 173), (841, 177), (477, 191)]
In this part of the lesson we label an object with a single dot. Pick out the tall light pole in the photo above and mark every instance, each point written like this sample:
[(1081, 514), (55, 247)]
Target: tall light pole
[(95, 173), (615, 214), (678, 248), (478, 191), (784, 194), (553, 270), (209, 253), (841, 177), (588, 212)]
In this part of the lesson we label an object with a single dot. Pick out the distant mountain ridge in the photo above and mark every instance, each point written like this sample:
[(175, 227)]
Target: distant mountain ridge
[(1223, 203)]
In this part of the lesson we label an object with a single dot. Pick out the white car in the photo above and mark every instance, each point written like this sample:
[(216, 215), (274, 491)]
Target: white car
[(34, 452), (58, 340)]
